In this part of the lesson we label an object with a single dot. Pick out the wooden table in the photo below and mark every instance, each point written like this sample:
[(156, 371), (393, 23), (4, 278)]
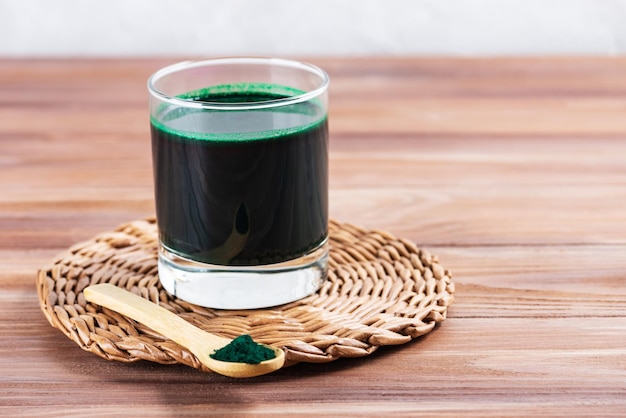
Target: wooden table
[(513, 171)]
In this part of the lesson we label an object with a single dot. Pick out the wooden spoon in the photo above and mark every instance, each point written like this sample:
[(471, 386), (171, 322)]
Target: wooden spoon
[(170, 325)]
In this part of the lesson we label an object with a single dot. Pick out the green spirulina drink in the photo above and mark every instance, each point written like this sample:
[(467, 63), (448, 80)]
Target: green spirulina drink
[(241, 188), (240, 159)]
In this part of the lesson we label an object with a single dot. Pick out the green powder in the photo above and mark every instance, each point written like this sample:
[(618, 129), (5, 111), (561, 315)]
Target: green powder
[(244, 349)]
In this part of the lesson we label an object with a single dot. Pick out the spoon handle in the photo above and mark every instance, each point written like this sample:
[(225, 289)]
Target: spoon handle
[(152, 315)]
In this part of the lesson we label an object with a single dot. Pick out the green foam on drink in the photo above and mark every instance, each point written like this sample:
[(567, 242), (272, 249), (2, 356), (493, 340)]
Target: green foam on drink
[(263, 103)]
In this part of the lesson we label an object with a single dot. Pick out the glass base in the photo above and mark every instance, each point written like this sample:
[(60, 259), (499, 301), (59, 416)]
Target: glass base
[(248, 287)]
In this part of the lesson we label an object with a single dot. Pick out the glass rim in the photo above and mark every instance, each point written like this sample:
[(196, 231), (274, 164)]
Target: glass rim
[(264, 104)]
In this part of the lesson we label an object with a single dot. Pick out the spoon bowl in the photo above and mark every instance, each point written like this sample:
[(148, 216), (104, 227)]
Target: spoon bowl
[(201, 343)]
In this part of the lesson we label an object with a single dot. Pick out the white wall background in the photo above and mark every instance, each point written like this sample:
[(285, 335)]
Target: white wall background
[(311, 27)]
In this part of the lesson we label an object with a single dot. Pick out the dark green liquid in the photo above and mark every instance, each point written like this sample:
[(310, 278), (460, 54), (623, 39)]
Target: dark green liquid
[(257, 196)]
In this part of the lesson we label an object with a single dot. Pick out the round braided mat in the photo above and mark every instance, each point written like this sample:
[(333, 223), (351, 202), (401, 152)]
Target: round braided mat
[(380, 291)]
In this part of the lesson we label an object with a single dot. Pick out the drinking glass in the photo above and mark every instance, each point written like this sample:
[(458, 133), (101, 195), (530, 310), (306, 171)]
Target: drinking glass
[(240, 160)]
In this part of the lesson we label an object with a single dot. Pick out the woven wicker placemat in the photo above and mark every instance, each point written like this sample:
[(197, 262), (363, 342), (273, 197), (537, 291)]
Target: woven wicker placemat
[(380, 291)]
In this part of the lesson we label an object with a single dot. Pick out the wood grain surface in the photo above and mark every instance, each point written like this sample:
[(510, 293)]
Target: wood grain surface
[(512, 171)]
